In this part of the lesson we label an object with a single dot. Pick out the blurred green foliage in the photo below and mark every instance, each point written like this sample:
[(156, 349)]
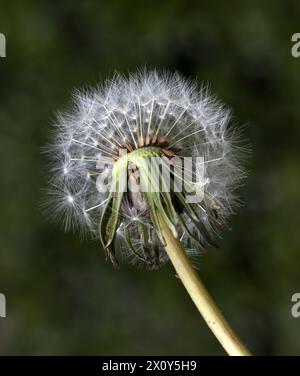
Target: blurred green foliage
[(62, 297)]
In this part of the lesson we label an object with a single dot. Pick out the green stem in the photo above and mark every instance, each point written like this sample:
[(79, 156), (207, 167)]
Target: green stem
[(199, 294)]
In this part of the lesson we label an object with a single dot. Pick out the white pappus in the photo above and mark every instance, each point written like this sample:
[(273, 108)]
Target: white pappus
[(145, 114)]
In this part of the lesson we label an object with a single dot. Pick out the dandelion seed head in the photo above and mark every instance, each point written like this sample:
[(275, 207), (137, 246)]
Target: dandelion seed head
[(148, 109)]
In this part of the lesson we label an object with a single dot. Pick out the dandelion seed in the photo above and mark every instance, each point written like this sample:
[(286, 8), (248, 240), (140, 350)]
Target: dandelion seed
[(70, 199)]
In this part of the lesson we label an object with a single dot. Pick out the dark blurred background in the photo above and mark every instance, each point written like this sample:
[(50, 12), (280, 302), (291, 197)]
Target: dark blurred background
[(62, 297)]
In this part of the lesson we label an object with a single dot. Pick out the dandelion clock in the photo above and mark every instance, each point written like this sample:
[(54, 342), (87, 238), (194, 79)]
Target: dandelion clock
[(147, 165)]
